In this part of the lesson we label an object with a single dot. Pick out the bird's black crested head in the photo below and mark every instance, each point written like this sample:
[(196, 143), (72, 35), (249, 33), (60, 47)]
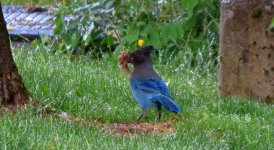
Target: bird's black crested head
[(141, 55)]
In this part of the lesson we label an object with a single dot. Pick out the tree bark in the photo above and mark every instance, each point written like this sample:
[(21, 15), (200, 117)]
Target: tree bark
[(12, 89), (246, 56)]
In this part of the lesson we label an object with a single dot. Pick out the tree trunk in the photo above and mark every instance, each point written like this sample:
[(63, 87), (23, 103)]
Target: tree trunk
[(12, 89), (246, 57)]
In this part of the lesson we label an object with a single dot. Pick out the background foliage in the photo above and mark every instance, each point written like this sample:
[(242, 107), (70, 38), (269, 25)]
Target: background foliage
[(186, 31)]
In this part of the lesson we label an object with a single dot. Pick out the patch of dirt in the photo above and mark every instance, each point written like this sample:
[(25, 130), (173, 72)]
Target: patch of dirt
[(11, 108), (138, 128)]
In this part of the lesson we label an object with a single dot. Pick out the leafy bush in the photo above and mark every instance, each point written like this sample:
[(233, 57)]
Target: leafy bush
[(84, 30), (176, 28)]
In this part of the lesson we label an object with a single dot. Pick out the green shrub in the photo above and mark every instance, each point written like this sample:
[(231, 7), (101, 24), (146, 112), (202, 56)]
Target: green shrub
[(184, 29)]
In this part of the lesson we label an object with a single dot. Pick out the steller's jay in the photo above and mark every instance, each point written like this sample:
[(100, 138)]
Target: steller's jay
[(147, 87)]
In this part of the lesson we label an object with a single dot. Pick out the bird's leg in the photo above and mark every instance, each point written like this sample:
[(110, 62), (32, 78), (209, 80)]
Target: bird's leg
[(159, 112), (141, 114)]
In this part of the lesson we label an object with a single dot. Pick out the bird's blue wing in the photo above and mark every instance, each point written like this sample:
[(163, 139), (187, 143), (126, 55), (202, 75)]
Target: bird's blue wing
[(163, 88), (151, 85), (154, 91)]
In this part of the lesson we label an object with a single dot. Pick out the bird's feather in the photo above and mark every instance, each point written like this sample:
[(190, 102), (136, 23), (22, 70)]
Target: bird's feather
[(151, 92), (152, 85)]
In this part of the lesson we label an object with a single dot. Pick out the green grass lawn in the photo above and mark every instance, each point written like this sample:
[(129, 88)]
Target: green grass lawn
[(98, 90)]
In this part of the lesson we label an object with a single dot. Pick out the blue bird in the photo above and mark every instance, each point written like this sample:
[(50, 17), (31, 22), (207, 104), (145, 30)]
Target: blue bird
[(147, 87)]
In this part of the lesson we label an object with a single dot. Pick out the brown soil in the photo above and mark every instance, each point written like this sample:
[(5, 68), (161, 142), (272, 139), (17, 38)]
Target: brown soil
[(138, 128)]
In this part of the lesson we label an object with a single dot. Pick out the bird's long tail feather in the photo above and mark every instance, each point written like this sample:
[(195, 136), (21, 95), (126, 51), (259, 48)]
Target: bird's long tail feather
[(167, 103)]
